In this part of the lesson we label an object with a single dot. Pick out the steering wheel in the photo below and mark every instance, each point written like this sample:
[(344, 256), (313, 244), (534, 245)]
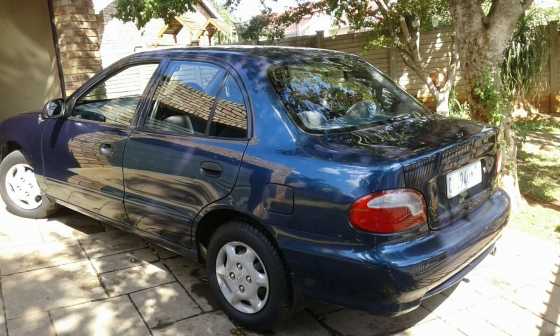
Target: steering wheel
[(363, 109)]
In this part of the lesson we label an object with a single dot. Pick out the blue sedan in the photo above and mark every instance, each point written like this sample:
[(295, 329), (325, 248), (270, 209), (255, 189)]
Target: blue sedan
[(291, 173)]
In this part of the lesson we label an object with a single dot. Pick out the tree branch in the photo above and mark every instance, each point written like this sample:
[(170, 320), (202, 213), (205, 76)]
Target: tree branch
[(454, 64), (382, 5), (422, 73)]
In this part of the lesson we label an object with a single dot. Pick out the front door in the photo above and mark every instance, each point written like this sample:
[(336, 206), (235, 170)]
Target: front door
[(83, 153), (187, 152)]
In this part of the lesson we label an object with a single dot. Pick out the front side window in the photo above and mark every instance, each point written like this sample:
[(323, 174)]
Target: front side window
[(339, 93), (114, 100), (185, 97)]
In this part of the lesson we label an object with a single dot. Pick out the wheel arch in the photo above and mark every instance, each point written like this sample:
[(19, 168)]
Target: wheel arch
[(9, 146), (213, 218)]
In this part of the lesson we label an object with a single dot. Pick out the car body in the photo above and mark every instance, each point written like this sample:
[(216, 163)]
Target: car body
[(294, 184)]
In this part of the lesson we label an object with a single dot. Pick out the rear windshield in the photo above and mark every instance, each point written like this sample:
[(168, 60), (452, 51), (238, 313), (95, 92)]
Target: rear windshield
[(341, 93)]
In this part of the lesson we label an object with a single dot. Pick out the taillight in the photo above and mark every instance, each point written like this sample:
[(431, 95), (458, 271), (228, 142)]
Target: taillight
[(389, 211), (498, 162)]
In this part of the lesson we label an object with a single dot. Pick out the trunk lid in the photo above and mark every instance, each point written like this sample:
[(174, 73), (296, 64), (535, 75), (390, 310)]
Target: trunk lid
[(429, 148)]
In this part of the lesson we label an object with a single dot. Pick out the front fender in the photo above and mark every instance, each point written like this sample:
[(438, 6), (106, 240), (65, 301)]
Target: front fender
[(24, 132)]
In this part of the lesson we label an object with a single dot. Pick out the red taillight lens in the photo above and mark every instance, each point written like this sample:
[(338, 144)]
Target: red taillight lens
[(389, 211)]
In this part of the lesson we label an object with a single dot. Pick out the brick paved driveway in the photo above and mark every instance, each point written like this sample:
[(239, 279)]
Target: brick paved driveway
[(71, 275)]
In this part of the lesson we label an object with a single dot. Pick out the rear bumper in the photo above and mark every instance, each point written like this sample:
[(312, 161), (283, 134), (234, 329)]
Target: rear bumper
[(393, 278)]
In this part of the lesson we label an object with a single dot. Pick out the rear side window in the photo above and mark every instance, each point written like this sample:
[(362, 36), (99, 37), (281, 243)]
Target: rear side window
[(230, 116), (185, 97)]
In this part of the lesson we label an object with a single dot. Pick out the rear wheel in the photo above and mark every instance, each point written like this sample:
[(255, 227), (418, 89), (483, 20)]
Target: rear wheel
[(248, 276), (19, 188)]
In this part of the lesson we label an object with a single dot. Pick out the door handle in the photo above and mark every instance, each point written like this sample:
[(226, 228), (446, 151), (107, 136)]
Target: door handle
[(106, 149), (211, 169)]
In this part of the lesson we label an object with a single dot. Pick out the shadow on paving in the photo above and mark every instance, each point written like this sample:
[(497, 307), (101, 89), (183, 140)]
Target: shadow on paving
[(552, 311), (85, 278)]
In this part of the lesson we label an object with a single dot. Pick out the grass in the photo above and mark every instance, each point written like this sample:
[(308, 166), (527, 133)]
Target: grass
[(539, 159), (539, 176), (538, 220)]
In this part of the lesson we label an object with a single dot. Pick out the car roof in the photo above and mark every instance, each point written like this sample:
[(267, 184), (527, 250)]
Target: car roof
[(273, 54)]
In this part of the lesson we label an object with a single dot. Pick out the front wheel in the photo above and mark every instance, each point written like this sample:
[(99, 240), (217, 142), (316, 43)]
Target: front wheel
[(19, 188), (248, 277)]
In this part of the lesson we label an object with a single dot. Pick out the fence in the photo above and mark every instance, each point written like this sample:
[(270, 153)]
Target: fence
[(435, 47)]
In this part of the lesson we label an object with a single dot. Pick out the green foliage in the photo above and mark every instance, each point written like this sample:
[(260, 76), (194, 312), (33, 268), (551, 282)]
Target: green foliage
[(258, 27), (420, 15), (525, 58), (458, 109), (384, 25), (551, 13), (488, 94), (142, 11)]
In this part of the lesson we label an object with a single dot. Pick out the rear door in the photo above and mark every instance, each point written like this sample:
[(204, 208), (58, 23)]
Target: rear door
[(83, 153), (187, 151)]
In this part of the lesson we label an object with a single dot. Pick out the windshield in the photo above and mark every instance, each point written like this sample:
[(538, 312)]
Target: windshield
[(335, 93)]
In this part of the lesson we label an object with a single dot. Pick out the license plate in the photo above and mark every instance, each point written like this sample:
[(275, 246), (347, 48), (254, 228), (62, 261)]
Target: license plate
[(463, 179)]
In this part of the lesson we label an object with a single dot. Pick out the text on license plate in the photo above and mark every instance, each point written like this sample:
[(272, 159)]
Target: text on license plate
[(463, 178)]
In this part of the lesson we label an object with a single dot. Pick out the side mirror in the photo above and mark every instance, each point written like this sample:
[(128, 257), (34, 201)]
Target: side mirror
[(54, 109)]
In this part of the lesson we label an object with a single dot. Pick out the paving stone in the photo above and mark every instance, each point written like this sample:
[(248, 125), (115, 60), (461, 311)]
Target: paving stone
[(431, 328), (35, 256), (302, 323), (115, 316), (510, 318), (69, 225), (211, 324), (543, 301), (193, 277), (111, 242), (50, 288), (459, 299), (31, 324), (16, 230), (161, 252), (361, 323), (471, 324), (504, 295), (163, 305), (124, 260), (136, 278)]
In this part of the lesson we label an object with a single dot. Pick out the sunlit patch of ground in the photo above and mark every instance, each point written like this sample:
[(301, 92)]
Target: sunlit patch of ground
[(539, 176), (540, 220)]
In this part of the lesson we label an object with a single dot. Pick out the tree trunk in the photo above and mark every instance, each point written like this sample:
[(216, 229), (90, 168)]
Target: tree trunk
[(481, 41), (509, 180), (442, 102)]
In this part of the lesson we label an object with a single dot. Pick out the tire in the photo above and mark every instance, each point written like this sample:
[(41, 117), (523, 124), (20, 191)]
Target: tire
[(43, 210), (277, 307)]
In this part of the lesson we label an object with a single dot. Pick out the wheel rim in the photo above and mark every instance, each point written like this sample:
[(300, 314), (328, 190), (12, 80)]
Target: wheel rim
[(242, 277), (22, 187)]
